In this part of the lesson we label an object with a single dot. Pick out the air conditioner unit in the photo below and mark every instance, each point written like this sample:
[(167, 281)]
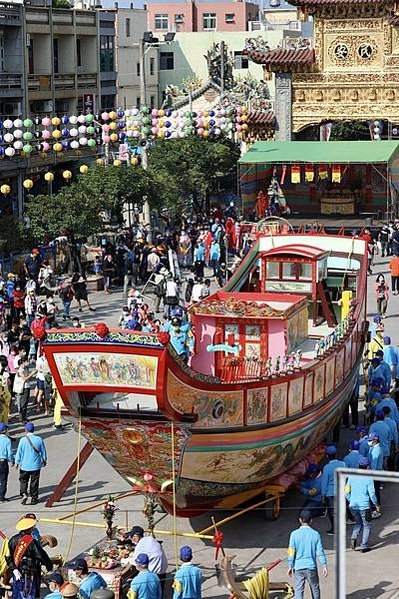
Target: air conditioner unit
[(28, 40), (48, 106), (179, 18)]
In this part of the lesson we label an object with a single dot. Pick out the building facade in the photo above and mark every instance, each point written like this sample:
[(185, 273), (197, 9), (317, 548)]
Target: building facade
[(108, 74), (189, 17), (12, 76), (136, 62)]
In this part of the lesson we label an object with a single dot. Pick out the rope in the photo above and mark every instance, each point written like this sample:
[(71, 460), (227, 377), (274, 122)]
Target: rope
[(172, 427), (75, 500)]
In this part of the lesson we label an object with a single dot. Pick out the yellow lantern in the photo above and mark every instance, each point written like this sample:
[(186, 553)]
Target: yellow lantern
[(113, 126), (57, 147), (117, 162), (134, 161), (244, 117), (83, 169), (100, 162), (55, 121), (56, 134), (161, 113), (5, 189), (49, 177), (67, 175), (112, 115), (114, 137), (28, 183), (244, 109)]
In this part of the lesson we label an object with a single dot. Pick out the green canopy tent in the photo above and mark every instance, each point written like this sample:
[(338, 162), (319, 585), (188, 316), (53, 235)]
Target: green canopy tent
[(368, 171)]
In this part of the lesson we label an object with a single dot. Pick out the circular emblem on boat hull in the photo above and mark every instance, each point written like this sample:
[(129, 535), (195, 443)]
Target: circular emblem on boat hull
[(133, 436)]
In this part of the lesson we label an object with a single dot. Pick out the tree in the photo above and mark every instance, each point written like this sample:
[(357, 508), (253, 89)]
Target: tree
[(350, 131), (191, 169)]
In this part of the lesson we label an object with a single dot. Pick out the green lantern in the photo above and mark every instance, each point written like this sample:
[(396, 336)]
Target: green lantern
[(27, 136), (145, 110), (28, 123), (89, 118), (90, 130), (91, 143), (145, 131), (27, 148)]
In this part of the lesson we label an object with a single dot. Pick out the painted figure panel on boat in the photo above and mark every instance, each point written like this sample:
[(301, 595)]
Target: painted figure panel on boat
[(295, 396), (107, 369), (297, 329), (257, 405), (214, 408), (133, 448), (278, 401), (330, 367), (339, 366), (308, 395), (319, 383)]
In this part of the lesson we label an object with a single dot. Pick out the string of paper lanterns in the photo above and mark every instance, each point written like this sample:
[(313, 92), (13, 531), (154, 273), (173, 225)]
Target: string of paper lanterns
[(74, 132)]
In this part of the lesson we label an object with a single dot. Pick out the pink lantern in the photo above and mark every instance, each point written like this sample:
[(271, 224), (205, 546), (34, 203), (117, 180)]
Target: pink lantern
[(105, 116), (154, 112), (199, 113), (238, 109), (46, 122), (200, 131), (154, 122), (105, 128), (154, 130), (238, 127), (45, 146), (106, 139), (46, 134), (238, 119)]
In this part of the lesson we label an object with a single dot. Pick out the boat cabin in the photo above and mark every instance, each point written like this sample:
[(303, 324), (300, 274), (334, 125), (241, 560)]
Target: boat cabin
[(238, 334), (299, 269)]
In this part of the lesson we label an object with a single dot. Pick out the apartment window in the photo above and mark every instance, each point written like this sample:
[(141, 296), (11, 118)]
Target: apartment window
[(166, 61), (138, 102), (161, 22), (240, 61), (107, 52), (229, 18), (209, 20), (152, 101), (138, 69), (55, 55), (127, 27), (78, 52), (152, 66), (179, 18)]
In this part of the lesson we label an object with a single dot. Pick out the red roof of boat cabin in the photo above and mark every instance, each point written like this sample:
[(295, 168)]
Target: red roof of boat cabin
[(306, 251)]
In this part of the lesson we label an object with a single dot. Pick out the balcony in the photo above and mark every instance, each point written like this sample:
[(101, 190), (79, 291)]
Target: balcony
[(85, 18), (10, 85), (10, 15), (37, 16), (62, 17), (64, 81), (39, 83), (87, 81)]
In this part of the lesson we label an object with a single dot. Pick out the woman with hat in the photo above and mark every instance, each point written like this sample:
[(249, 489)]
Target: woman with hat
[(26, 559)]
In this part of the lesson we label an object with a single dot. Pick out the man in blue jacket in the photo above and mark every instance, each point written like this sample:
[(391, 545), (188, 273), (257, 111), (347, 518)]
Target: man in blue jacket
[(304, 549), (31, 457), (188, 578), (359, 491), (91, 581), (6, 458), (311, 488), (328, 483), (352, 458)]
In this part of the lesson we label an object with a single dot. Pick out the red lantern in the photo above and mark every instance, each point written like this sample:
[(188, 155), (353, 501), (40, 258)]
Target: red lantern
[(163, 338), (102, 330)]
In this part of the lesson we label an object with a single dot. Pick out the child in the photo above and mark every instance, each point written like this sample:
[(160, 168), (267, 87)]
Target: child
[(97, 266)]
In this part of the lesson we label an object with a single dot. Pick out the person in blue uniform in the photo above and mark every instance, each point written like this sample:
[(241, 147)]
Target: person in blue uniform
[(361, 436), (386, 410), (188, 578), (384, 433), (386, 400), (352, 458), (377, 320), (304, 549), (6, 459), (91, 581), (376, 458), (55, 581), (146, 585), (31, 457), (359, 491), (328, 483), (311, 489), (384, 368), (373, 398)]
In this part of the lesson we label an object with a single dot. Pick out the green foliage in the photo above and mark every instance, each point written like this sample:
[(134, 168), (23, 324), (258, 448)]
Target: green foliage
[(350, 131), (13, 235), (61, 4), (191, 168)]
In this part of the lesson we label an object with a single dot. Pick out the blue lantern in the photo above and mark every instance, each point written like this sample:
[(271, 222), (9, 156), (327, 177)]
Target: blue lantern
[(168, 134), (65, 144), (212, 122), (65, 132), (1, 125), (122, 135), (211, 113), (168, 124), (121, 124), (65, 119), (120, 113), (2, 151), (168, 113)]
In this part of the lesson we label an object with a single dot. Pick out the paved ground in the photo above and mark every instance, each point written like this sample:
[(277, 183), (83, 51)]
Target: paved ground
[(252, 539)]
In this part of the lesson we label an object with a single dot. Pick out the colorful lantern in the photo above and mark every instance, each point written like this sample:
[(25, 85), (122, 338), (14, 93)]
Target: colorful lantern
[(323, 172), (336, 173), (28, 123), (27, 148), (74, 144), (67, 175), (117, 162), (56, 134), (28, 183), (91, 143), (83, 169), (295, 173), (309, 173), (5, 189), (100, 162), (57, 147), (73, 119)]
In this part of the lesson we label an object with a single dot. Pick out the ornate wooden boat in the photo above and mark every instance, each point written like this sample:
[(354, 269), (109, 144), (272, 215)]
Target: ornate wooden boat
[(277, 354)]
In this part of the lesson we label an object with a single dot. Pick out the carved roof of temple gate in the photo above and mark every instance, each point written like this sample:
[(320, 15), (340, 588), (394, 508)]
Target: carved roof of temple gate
[(282, 58), (326, 2), (328, 8)]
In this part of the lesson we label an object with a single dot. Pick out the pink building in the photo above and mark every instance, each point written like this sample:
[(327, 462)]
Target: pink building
[(201, 16)]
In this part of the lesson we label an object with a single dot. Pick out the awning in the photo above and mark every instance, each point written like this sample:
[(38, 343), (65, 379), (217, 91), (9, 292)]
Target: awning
[(320, 152)]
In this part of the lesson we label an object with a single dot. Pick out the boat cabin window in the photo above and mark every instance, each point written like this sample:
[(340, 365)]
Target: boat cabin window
[(322, 269), (288, 276), (251, 282)]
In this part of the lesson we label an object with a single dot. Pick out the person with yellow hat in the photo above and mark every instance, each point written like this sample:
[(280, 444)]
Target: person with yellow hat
[(69, 591), (25, 559)]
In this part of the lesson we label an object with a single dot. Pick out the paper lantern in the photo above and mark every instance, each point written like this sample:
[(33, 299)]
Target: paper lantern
[(56, 134), (65, 144), (18, 134), (134, 161), (27, 148), (28, 183), (73, 119), (336, 173), (7, 124), (46, 134), (18, 145), (295, 173), (57, 147), (74, 144), (73, 132), (5, 189), (65, 132), (67, 175), (18, 123), (1, 151), (120, 113), (90, 130), (113, 126), (83, 169), (28, 123), (91, 143), (83, 141), (114, 137), (65, 119), (46, 122), (105, 116), (105, 128), (106, 139), (309, 173), (81, 118), (113, 115), (323, 172), (117, 163), (45, 146), (100, 162), (89, 118), (49, 177), (82, 129), (27, 135), (8, 137)]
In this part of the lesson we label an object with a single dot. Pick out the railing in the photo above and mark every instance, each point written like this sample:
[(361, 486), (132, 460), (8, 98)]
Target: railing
[(62, 81), (10, 82), (9, 14), (88, 19), (87, 80), (39, 83), (62, 17), (39, 15)]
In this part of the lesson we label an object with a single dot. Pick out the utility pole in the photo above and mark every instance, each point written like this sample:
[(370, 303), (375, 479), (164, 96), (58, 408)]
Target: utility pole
[(222, 66), (143, 90)]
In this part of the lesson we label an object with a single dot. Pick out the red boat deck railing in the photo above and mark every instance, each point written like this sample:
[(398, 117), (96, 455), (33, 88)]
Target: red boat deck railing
[(242, 369)]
